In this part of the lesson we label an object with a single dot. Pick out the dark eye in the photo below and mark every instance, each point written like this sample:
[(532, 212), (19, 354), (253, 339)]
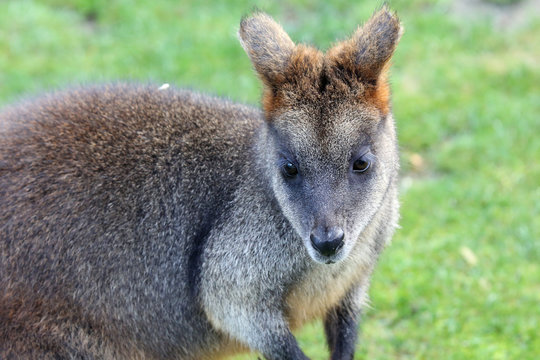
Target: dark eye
[(361, 165), (289, 169)]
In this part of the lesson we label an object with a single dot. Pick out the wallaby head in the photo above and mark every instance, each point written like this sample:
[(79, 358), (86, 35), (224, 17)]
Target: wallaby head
[(328, 145)]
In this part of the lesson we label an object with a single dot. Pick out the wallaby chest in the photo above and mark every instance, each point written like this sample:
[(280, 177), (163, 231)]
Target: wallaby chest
[(324, 286)]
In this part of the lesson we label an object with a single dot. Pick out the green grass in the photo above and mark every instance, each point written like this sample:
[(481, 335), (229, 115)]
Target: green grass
[(467, 104), (503, 2)]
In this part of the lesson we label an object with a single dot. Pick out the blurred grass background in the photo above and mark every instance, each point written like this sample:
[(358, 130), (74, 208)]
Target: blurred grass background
[(462, 277)]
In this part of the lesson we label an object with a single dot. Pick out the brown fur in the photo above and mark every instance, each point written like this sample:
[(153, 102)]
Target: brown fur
[(359, 66), (300, 82)]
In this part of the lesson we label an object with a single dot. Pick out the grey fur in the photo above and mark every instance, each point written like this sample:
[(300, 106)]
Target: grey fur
[(157, 224)]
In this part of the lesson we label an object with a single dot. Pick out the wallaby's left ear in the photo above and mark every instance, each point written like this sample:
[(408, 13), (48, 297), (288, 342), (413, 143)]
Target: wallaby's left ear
[(267, 44), (370, 48)]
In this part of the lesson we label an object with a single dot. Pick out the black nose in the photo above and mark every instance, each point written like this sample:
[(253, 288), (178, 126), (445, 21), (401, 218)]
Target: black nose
[(328, 241)]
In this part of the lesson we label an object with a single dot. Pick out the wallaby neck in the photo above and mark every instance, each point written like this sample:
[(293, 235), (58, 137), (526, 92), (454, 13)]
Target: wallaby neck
[(262, 159)]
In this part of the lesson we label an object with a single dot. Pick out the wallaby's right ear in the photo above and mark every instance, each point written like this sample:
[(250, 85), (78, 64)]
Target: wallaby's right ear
[(268, 46)]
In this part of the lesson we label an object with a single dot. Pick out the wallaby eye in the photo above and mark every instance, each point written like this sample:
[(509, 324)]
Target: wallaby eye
[(361, 165), (289, 169)]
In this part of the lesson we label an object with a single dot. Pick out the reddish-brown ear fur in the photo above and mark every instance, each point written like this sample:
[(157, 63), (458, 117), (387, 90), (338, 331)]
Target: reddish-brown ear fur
[(291, 73), (379, 95), (299, 83)]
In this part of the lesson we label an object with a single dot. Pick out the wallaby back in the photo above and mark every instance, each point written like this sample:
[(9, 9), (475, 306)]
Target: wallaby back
[(104, 192), (140, 222)]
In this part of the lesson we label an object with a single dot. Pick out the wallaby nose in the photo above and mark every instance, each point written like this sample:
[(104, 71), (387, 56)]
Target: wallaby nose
[(328, 241)]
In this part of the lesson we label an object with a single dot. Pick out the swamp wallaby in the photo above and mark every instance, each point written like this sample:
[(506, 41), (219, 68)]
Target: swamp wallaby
[(139, 222)]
